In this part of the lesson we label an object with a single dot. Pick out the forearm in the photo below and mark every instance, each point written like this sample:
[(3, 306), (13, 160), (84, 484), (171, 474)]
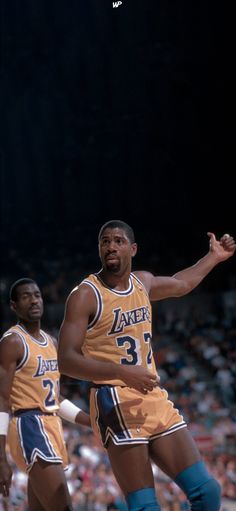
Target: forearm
[(193, 276), (2, 447), (83, 419), (76, 365), (4, 423), (72, 413)]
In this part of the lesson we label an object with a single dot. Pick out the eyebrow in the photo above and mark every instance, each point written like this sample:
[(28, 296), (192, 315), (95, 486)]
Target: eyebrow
[(30, 292)]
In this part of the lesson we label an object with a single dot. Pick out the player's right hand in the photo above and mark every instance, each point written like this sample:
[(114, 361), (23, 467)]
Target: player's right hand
[(139, 378), (5, 477)]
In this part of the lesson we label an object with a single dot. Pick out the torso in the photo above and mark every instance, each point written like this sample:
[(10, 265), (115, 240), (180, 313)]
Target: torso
[(121, 328), (36, 380)]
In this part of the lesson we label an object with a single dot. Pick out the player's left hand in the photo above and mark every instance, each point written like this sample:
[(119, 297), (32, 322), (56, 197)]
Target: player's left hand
[(224, 248)]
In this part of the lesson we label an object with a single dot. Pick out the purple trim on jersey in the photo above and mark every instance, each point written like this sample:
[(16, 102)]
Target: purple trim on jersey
[(44, 335), (25, 345), (120, 293), (99, 303)]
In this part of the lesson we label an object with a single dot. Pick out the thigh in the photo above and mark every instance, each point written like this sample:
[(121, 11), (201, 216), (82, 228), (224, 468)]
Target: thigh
[(174, 452), (33, 501), (131, 466), (48, 483)]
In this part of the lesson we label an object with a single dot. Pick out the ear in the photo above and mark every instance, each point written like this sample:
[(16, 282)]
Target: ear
[(13, 306), (134, 248)]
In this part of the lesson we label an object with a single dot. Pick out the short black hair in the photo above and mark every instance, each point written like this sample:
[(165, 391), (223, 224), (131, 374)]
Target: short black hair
[(112, 224), (18, 283)]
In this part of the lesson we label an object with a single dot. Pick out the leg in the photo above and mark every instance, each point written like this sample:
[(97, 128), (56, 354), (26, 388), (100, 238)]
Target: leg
[(132, 468), (47, 485), (178, 456), (173, 453), (33, 501)]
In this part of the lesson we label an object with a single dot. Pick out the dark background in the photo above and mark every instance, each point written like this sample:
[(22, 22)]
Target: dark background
[(123, 113)]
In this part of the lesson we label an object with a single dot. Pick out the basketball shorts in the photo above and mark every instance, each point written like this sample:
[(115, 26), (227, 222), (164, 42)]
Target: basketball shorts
[(33, 436), (126, 416)]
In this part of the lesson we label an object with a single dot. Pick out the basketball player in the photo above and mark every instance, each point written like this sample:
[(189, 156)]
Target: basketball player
[(29, 387), (106, 337)]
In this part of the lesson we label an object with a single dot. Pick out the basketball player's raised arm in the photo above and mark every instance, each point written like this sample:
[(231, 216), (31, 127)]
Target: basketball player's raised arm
[(11, 351), (186, 280), (79, 311)]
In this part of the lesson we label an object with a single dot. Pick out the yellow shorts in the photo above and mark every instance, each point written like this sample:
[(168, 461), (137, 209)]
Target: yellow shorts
[(33, 436), (126, 416)]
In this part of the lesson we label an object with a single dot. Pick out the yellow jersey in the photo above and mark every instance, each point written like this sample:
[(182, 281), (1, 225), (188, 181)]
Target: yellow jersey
[(36, 379), (121, 328)]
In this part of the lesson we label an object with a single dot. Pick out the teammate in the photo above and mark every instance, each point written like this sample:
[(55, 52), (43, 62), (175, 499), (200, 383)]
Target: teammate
[(106, 337), (29, 387)]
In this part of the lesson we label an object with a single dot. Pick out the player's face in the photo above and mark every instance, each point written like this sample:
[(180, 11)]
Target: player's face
[(29, 303), (115, 250)]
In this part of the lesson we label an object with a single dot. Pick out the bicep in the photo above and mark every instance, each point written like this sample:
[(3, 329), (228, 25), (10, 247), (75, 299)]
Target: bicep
[(11, 351), (159, 288), (79, 308), (165, 287)]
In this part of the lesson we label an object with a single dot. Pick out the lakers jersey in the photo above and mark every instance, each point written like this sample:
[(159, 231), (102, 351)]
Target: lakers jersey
[(121, 328), (36, 379)]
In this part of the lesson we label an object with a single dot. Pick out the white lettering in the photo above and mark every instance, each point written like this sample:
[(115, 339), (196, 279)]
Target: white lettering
[(116, 4)]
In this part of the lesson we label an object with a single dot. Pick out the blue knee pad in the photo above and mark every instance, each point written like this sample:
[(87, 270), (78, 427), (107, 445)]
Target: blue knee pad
[(201, 489), (143, 500)]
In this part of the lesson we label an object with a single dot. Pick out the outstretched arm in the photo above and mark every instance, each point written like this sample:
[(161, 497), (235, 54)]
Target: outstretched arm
[(186, 280), (80, 309)]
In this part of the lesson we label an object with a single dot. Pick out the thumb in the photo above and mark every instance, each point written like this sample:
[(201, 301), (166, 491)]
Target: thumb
[(211, 236), (154, 376)]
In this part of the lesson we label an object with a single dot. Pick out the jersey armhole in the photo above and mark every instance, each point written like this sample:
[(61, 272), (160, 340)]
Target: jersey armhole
[(99, 303)]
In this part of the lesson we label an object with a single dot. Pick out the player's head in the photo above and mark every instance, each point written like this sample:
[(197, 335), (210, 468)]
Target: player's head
[(116, 246), (26, 300), (112, 224)]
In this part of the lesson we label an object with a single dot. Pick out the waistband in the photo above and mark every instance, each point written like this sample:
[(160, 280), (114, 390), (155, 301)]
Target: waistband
[(31, 411)]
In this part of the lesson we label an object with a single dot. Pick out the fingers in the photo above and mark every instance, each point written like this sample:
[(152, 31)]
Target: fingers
[(228, 243), (4, 489), (149, 384)]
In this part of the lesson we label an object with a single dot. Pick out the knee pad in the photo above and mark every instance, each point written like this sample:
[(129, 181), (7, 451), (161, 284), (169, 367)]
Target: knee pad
[(143, 500), (202, 490)]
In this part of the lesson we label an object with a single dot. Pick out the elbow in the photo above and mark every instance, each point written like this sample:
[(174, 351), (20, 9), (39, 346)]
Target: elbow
[(62, 363), (183, 289), (61, 366)]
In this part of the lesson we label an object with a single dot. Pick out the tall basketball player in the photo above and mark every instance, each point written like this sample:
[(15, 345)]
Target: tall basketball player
[(106, 337)]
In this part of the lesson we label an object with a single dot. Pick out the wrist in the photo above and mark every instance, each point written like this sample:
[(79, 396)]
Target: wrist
[(68, 411), (4, 423)]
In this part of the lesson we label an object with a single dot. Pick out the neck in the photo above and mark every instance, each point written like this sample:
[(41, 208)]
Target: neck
[(32, 328), (115, 280)]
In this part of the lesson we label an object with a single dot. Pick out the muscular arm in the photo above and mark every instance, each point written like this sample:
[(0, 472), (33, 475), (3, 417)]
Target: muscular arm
[(188, 279), (11, 351), (80, 309)]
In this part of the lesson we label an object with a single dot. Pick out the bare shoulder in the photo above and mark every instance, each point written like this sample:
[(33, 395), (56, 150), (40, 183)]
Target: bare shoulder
[(146, 278), (81, 298), (81, 292), (11, 343), (10, 338)]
